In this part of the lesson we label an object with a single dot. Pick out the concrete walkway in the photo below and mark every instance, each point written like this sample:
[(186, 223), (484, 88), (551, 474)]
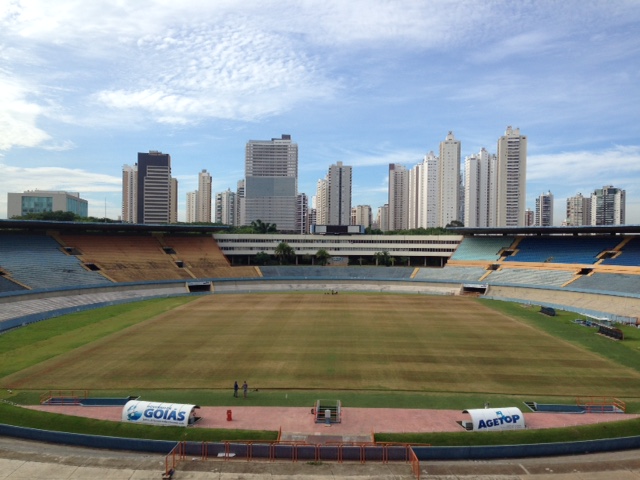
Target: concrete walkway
[(23, 460)]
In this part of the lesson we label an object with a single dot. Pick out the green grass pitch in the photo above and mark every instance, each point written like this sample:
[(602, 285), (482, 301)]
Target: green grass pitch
[(358, 342)]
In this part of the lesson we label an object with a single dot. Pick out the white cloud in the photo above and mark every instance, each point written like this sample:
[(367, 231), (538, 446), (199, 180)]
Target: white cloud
[(615, 166), (20, 179), (231, 72), (18, 117)]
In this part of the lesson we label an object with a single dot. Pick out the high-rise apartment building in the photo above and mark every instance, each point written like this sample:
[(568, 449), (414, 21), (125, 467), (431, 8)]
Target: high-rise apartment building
[(480, 202), (339, 188), (173, 201), (448, 180), (423, 195), (203, 203), (154, 194), (544, 210), (322, 202), (578, 211), (398, 197), (240, 203), (226, 207), (192, 202), (512, 166), (361, 215), (608, 205), (42, 201), (129, 194), (302, 214), (529, 218), (271, 182), (311, 219), (382, 218)]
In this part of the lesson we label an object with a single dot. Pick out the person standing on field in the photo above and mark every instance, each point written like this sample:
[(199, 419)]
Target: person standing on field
[(245, 387), (235, 389)]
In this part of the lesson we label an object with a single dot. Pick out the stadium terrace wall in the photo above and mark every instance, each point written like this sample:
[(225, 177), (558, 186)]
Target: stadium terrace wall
[(621, 307), (423, 453)]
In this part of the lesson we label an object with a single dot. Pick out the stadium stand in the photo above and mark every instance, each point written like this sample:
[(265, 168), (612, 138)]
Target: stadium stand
[(9, 286), (562, 249), (629, 254), (126, 258), (202, 257), (609, 282), (452, 274), (366, 272), (21, 307), (38, 262), (481, 248), (521, 276)]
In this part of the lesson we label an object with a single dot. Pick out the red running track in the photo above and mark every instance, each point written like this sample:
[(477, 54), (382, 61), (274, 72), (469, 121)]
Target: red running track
[(355, 421)]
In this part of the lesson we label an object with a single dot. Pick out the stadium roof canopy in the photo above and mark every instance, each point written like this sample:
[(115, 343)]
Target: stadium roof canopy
[(115, 227), (583, 230)]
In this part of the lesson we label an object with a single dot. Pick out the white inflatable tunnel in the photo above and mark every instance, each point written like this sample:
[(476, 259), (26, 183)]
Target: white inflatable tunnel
[(154, 413), (495, 419)]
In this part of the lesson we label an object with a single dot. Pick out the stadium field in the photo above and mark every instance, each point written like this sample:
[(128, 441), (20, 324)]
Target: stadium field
[(304, 341)]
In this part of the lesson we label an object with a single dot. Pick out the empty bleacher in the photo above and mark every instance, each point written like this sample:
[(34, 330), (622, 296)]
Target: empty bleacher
[(629, 254), (126, 258), (523, 276), (562, 249), (24, 307), (450, 274), (37, 262), (202, 256), (481, 248), (308, 271), (609, 282), (7, 285)]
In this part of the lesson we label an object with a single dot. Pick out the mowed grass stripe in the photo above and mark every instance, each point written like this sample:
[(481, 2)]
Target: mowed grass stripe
[(334, 342), (27, 346)]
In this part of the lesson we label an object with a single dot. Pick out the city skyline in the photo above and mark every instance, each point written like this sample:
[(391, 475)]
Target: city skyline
[(84, 88)]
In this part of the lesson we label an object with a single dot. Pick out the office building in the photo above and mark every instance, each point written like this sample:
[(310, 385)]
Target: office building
[(448, 180), (339, 180), (156, 192), (271, 182), (512, 166), (40, 201), (608, 205), (544, 210)]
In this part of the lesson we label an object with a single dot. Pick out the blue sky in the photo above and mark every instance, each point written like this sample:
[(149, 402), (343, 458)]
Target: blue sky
[(85, 85)]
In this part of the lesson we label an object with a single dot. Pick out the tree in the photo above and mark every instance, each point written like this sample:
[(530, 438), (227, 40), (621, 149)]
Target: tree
[(284, 252), (262, 258), (259, 226), (322, 256), (382, 258)]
